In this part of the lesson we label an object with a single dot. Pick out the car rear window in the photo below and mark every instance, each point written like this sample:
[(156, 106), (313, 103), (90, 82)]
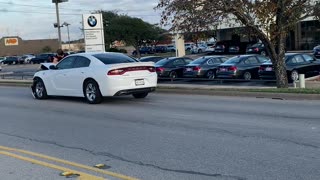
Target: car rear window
[(233, 60), (199, 61), (163, 61), (114, 58)]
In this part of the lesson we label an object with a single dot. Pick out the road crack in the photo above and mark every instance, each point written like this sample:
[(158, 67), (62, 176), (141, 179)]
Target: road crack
[(109, 155)]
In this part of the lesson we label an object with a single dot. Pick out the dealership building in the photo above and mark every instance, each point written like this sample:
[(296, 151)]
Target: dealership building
[(304, 35), (16, 46)]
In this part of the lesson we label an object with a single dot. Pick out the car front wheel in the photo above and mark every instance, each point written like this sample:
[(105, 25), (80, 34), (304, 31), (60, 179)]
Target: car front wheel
[(92, 92), (39, 90)]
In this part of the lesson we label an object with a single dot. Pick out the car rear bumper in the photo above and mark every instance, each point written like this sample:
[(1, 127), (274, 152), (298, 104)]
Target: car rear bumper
[(134, 91)]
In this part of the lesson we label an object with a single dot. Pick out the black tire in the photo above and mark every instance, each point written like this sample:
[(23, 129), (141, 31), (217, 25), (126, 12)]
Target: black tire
[(211, 74), (173, 75), (92, 92), (247, 76), (39, 89), (140, 95), (199, 51)]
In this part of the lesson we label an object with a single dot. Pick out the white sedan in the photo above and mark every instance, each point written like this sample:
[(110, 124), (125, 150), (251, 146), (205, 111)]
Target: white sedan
[(94, 76)]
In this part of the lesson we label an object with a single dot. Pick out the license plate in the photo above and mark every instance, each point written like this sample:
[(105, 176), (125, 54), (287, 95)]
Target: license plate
[(250, 50), (269, 69), (318, 52), (139, 82), (189, 69), (223, 69)]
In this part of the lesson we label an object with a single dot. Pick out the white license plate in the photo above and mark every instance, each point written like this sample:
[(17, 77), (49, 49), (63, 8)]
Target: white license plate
[(318, 52), (269, 69), (250, 50), (189, 69), (223, 69), (139, 82)]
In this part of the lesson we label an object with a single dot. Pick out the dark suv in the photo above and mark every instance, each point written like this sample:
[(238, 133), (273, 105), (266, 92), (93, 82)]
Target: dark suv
[(42, 58), (316, 52)]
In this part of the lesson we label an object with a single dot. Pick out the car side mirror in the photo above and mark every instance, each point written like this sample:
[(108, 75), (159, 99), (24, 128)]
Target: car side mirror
[(53, 67)]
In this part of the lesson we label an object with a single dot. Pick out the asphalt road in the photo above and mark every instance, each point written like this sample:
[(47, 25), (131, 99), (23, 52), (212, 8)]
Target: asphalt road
[(165, 136)]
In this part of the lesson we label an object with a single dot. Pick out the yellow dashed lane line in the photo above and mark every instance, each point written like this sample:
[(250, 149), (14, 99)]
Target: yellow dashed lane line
[(109, 173), (83, 176)]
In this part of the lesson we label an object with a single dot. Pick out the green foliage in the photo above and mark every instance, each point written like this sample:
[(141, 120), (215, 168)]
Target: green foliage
[(46, 49)]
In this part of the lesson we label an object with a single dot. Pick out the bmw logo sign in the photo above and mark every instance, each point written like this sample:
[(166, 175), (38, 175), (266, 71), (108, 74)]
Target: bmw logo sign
[(92, 21)]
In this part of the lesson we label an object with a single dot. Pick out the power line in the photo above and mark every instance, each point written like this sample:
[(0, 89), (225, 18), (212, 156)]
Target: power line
[(33, 12)]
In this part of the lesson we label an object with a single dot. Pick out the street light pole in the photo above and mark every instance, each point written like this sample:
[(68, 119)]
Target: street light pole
[(67, 24)]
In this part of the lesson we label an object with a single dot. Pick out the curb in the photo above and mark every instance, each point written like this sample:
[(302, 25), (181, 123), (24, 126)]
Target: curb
[(231, 92)]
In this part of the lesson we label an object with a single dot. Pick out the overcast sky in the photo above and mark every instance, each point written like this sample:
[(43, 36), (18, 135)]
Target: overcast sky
[(33, 19)]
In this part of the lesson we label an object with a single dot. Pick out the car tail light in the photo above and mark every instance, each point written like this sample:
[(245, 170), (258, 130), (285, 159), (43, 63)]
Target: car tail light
[(223, 46), (197, 68), (159, 69), (261, 68), (232, 68), (213, 46), (121, 71), (256, 49)]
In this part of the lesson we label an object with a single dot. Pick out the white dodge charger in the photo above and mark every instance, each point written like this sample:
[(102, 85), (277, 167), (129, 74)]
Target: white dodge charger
[(94, 76)]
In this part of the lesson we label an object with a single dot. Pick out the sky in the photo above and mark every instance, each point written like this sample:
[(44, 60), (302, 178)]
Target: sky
[(34, 19)]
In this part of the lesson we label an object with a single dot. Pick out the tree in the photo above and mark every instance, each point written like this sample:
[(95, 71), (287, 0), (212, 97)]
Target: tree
[(269, 20), (133, 31), (46, 49)]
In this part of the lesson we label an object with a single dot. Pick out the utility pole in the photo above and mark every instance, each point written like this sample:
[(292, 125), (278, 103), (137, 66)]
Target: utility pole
[(58, 18)]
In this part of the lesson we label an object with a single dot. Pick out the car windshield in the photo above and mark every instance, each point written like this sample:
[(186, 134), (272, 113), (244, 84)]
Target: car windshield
[(233, 60), (199, 61), (163, 62), (108, 58), (256, 45)]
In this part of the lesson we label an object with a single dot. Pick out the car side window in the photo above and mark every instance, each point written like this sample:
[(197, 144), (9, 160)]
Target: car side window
[(251, 60), (299, 59), (81, 62), (188, 61), (262, 59), (307, 57), (66, 63), (213, 61), (178, 62), (223, 59)]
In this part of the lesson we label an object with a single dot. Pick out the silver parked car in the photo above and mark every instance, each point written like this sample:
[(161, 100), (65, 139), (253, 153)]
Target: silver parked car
[(204, 67)]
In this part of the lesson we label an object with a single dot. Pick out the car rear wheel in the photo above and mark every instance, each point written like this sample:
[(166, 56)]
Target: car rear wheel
[(199, 51), (211, 74), (173, 75), (247, 76), (39, 90), (92, 92), (140, 95)]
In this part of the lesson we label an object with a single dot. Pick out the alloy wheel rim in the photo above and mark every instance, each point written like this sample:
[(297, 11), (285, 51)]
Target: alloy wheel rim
[(210, 75), (91, 92), (294, 76), (247, 76), (39, 89)]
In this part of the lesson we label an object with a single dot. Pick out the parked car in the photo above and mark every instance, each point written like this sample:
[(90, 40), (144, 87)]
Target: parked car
[(41, 58), (171, 48), (11, 60), (296, 63), (1, 59), (234, 49), (198, 48), (150, 59), (316, 51), (144, 50), (27, 57), (257, 48), (205, 67), (210, 48), (160, 49), (188, 46), (172, 67), (222, 47), (242, 66)]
